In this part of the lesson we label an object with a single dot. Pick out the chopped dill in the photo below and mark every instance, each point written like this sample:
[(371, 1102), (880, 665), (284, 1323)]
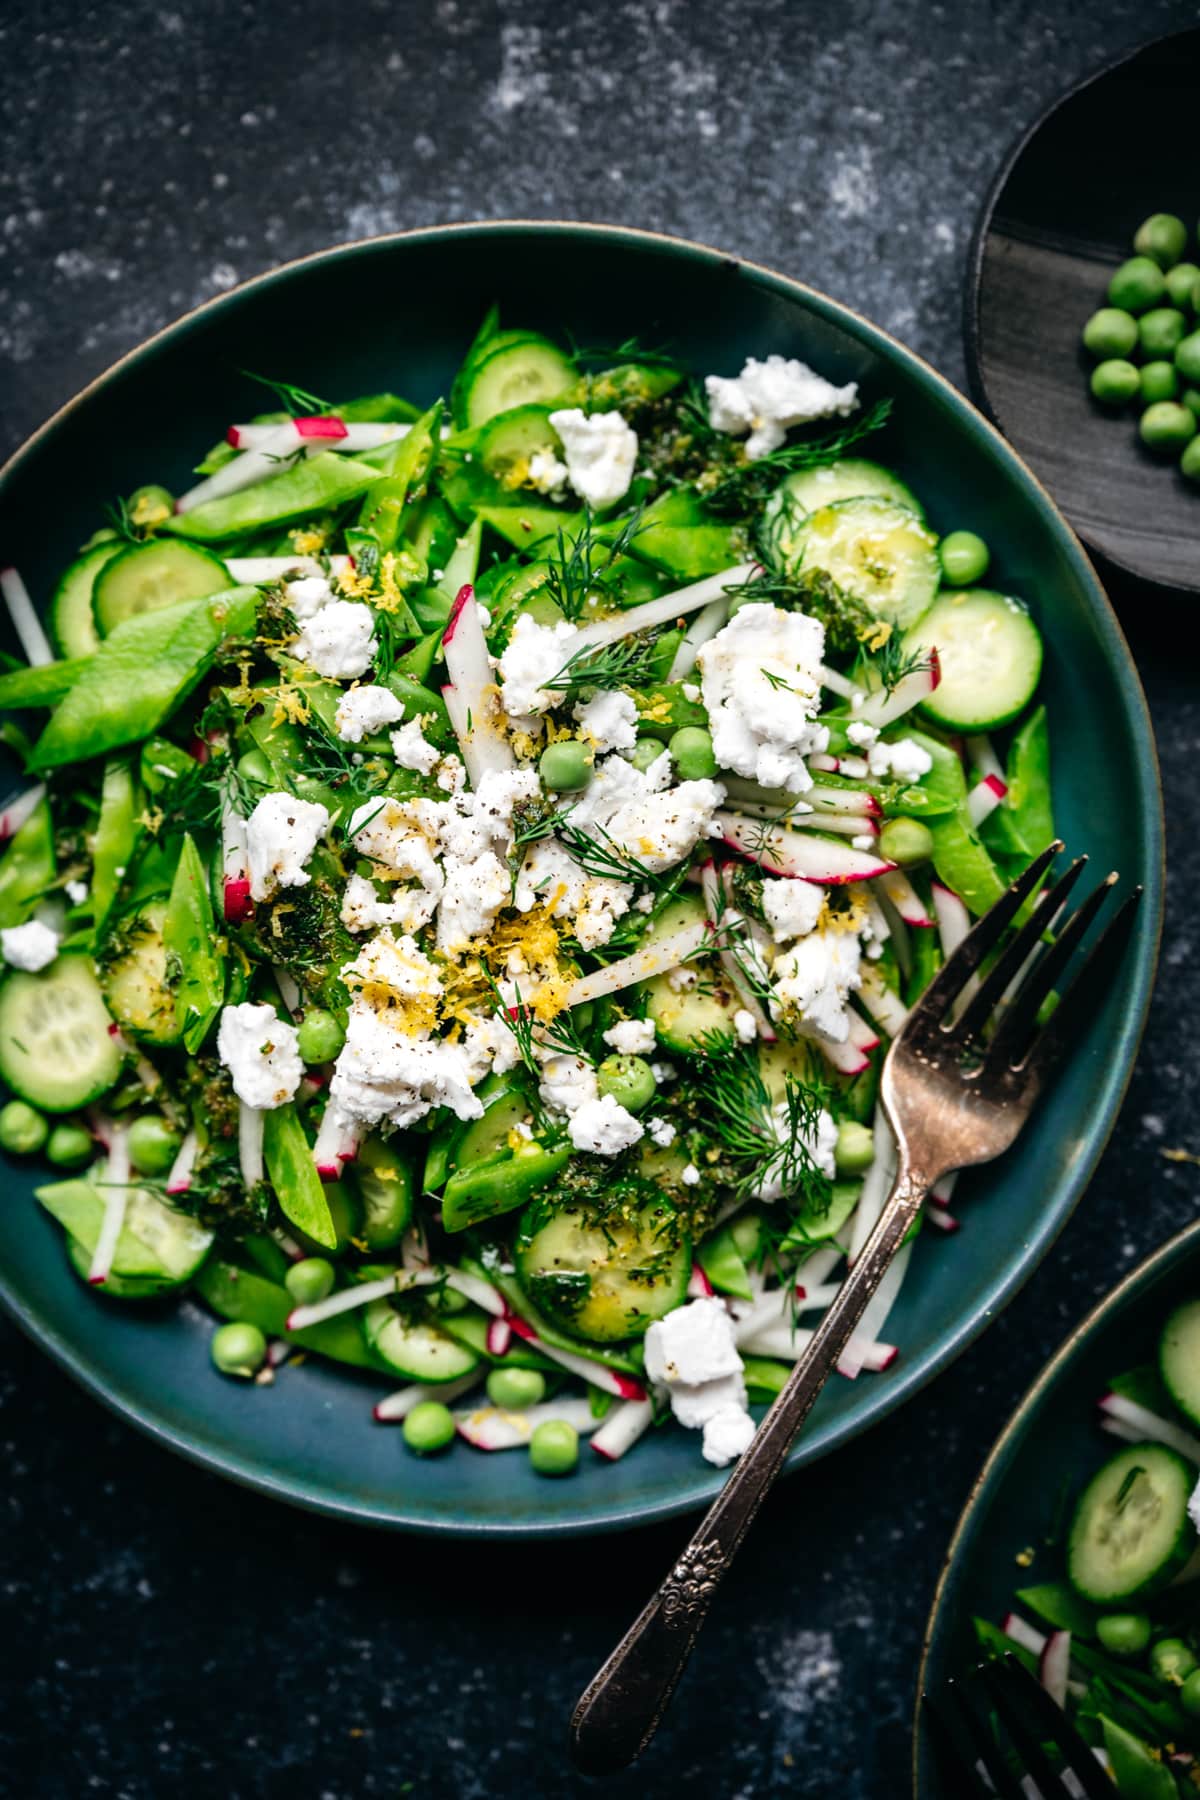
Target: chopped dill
[(293, 399), (735, 485), (605, 666), (575, 573), (889, 665), (775, 1139)]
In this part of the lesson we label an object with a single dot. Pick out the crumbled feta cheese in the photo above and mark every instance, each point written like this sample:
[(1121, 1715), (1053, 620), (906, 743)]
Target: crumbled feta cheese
[(77, 892), (546, 473), (792, 908), (681, 978), (604, 1127), (402, 835), (820, 1144), (631, 1037), (905, 760), (610, 719), (473, 895), (363, 910), (550, 877), (692, 1344), (663, 1072), (381, 1074), (691, 691), (567, 1083), (534, 654), (306, 596), (601, 454), (761, 681), (862, 735), (31, 946), (413, 750), (767, 398), (813, 978), (690, 1175), (389, 973), (726, 1435), (695, 1403), (745, 1025), (662, 1132), (281, 834), (365, 710), (338, 641), (654, 828), (260, 1051), (451, 775)]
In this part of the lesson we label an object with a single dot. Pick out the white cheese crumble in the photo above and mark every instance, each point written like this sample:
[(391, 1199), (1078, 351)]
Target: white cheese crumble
[(820, 1143), (769, 397), (306, 596), (693, 1344), (534, 654), (550, 877), (281, 834), (382, 1075), (604, 1127), (601, 452), (690, 1175), (77, 892), (655, 829), (812, 980), (631, 1037), (727, 1435), (610, 719), (363, 910), (745, 1025), (662, 1132), (792, 908), (365, 710), (567, 1083), (905, 760), (691, 691), (862, 735), (761, 682), (31, 946), (546, 473), (260, 1051), (413, 750), (339, 641), (475, 891)]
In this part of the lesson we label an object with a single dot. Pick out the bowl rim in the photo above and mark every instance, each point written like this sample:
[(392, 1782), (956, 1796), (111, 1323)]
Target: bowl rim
[(1175, 1249), (312, 1495)]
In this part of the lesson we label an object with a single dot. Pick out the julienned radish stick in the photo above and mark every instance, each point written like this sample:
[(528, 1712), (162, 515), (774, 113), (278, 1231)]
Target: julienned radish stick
[(496, 1428), (705, 626), (1054, 1666), (245, 470), (180, 1178), (475, 1288), (394, 1408), (984, 798), (470, 694), (699, 1286), (1151, 1425), (953, 919), (361, 1294), (882, 1002), (801, 854), (26, 623), (847, 1058), (904, 897), (255, 570), (250, 1143), (115, 1189), (882, 708), (1020, 1632), (599, 1374), (663, 610), (322, 432), (336, 1143), (841, 824), (235, 865), (655, 959), (861, 1352), (841, 685), (725, 923), (20, 809), (983, 759), (623, 1427), (876, 1182)]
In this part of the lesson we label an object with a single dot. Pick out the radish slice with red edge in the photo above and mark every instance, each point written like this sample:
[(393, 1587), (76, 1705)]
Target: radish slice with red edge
[(496, 1428), (984, 798), (394, 1408), (802, 855), (1054, 1666), (666, 609), (114, 1187), (19, 810), (904, 897), (881, 708), (1020, 1632), (179, 1180), (622, 1428), (598, 1374)]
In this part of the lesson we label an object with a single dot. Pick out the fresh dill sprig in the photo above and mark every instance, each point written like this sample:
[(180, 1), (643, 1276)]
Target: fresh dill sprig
[(889, 665), (293, 399), (118, 515), (602, 857), (605, 666), (577, 572), (774, 1138), (560, 1034), (733, 484)]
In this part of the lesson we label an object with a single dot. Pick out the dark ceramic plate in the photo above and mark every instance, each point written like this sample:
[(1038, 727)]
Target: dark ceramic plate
[(1049, 1446), (398, 312), (1060, 217)]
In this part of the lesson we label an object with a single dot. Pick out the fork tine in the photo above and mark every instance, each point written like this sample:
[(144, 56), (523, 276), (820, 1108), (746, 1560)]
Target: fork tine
[(1033, 1718), (1017, 1026), (953, 1728), (955, 972), (1088, 988), (1010, 963)]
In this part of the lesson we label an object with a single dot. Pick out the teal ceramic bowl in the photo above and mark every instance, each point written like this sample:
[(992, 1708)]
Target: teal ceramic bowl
[(398, 312), (1049, 1446)]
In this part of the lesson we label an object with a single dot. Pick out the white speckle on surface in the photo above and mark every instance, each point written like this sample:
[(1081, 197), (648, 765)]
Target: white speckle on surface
[(801, 1670), (853, 192)]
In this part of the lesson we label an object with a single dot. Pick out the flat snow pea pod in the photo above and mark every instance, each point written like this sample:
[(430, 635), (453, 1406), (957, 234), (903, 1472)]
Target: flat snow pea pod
[(938, 792), (43, 685), (1057, 1603), (293, 1175), (627, 384), (161, 763), (406, 473), (377, 409), (498, 1184), (963, 863), (158, 1247), (385, 1186), (421, 702), (283, 745), (28, 866), (677, 536), (1138, 1771), (1028, 805), (666, 709), (416, 663), (926, 961), (116, 834), (525, 524), (722, 1262), (431, 609), (140, 674), (764, 1377), (242, 1294), (816, 1227), (190, 940), (462, 565), (314, 484)]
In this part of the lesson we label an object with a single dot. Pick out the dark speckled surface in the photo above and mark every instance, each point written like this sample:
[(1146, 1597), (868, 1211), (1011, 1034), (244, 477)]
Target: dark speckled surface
[(167, 1634)]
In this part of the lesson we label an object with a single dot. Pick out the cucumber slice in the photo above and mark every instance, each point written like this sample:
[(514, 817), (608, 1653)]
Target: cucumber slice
[(158, 1249), (1131, 1533), (481, 1138), (690, 1020), (413, 1346), (1179, 1359), (146, 576), (56, 1045), (135, 980), (609, 1278), (385, 1188), (72, 621), (507, 442), (801, 1060), (524, 373), (808, 490), (990, 653), (877, 551)]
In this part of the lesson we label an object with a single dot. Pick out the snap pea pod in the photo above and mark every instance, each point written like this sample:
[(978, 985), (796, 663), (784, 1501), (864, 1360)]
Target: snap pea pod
[(677, 536), (939, 791), (116, 834), (28, 865), (161, 763), (523, 525), (140, 674), (1057, 1603), (377, 409), (926, 961), (1023, 824), (416, 663), (315, 484), (498, 1184), (406, 473), (43, 685), (190, 939), (814, 1227), (665, 709), (237, 1293), (293, 1175), (963, 863), (384, 1181), (764, 1377), (724, 1265), (462, 565), (282, 743), (1138, 1771)]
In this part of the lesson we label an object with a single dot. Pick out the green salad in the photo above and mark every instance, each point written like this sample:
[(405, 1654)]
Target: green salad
[(473, 862)]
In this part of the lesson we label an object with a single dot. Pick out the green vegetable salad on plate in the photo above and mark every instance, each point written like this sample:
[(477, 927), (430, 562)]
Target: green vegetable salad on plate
[(473, 863)]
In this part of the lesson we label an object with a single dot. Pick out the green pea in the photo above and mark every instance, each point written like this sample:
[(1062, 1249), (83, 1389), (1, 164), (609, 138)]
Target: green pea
[(692, 753), (1189, 462), (516, 1388), (1187, 356), (1172, 1661), (22, 1128), (1137, 285), (319, 1036), (1166, 426), (1189, 1694), (150, 506), (905, 841), (1163, 237), (428, 1428), (252, 765), (629, 1079), (855, 1150), (70, 1146), (554, 1447), (1124, 1634), (1110, 332), (153, 1144), (1181, 283), (648, 751), (565, 766), (1161, 331), (1158, 381), (1190, 398), (309, 1280), (238, 1349), (964, 557), (1115, 382)]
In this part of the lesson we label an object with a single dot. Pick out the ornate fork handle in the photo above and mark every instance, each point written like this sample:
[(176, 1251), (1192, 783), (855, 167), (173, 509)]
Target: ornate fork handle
[(620, 1709)]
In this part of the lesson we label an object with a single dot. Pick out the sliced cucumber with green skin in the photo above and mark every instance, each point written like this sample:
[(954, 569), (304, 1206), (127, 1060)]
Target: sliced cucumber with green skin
[(879, 552), (413, 1346), (57, 1049), (525, 373), (808, 490), (72, 620), (385, 1188), (692, 1019), (504, 1111), (159, 573), (1179, 1359), (609, 1279), (471, 1328), (158, 1249), (1131, 1533), (989, 655), (135, 982), (507, 442)]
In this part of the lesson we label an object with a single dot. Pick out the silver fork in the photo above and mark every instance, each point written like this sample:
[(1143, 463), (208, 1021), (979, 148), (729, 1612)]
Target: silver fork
[(953, 1096)]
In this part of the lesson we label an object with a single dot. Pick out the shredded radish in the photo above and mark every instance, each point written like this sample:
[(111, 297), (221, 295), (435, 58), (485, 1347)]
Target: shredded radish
[(235, 866), (841, 824), (876, 1185), (1054, 1666), (653, 959), (940, 1219), (699, 1287), (182, 1169), (1024, 1634), (882, 1002), (393, 1408), (983, 759), (336, 1143), (881, 928), (496, 1428), (322, 432), (477, 1290), (255, 570), (841, 685), (943, 1188), (904, 897), (710, 886), (246, 470), (847, 1058), (26, 623), (289, 988), (802, 855), (862, 1347), (250, 1143), (953, 919), (470, 694), (115, 1185), (665, 609), (1153, 1428), (19, 810), (984, 798), (817, 1298), (499, 1337), (882, 708), (780, 1341), (703, 628), (623, 1427), (864, 1037), (361, 1294), (599, 1374)]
